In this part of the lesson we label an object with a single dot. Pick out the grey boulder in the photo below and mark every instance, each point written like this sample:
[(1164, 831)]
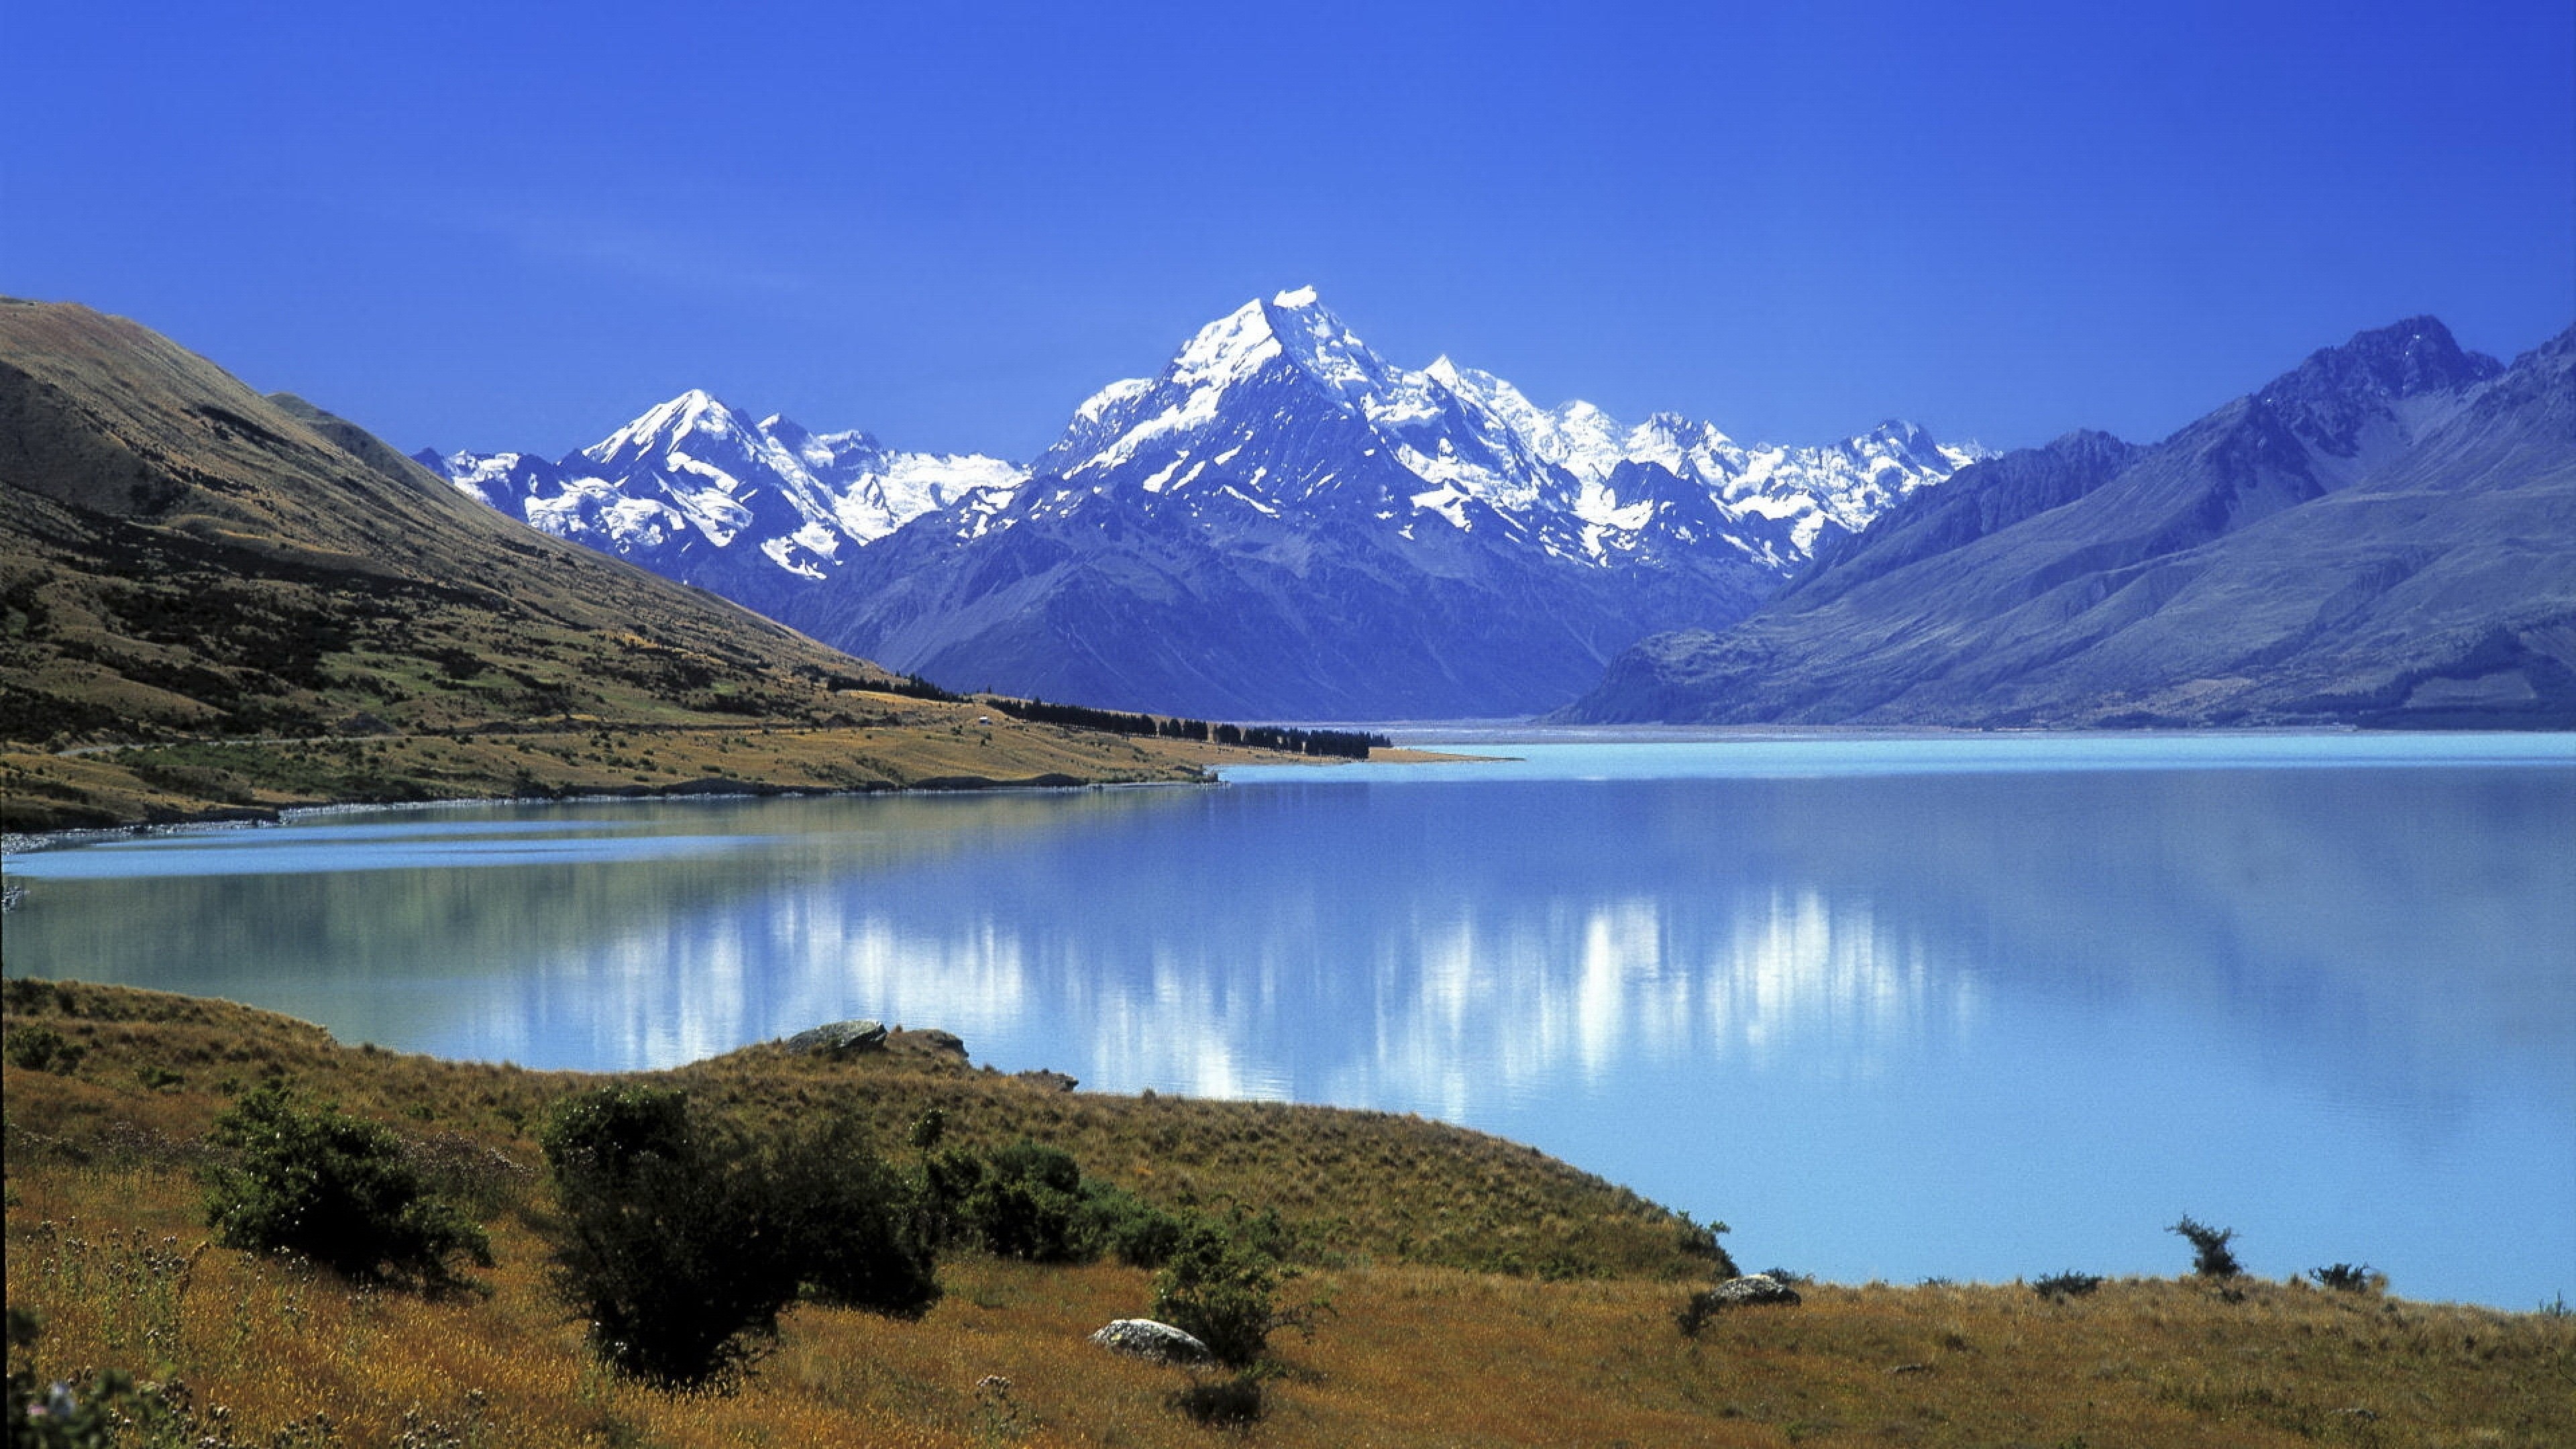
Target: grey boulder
[(840, 1038), (1146, 1338), (1749, 1291)]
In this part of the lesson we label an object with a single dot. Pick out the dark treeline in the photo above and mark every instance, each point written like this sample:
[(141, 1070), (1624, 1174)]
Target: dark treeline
[(916, 687), (1344, 744)]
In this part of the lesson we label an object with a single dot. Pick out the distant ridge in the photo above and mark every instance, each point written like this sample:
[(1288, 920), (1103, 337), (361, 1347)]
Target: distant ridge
[(2383, 536)]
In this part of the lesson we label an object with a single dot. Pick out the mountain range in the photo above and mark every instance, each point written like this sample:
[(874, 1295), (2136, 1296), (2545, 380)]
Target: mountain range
[(1282, 524), (1279, 524), (2384, 535)]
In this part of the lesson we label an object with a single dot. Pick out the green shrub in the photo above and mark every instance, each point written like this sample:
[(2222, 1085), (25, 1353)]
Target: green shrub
[(36, 1047), (1030, 1200), (681, 1239), (652, 1244), (2210, 1255), (1138, 1233), (1699, 1240), (948, 1182), (846, 1220), (2069, 1284), (335, 1188), (928, 1129), (1026, 1203), (2346, 1277), (1223, 1291)]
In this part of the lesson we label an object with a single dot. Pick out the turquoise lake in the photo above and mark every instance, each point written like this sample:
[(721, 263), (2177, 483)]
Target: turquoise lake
[(1976, 1007)]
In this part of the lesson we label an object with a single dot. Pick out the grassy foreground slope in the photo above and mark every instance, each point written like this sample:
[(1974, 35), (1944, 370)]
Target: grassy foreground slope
[(1428, 1240), (183, 560)]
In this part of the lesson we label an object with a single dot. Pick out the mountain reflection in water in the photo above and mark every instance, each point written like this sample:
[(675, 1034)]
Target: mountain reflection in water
[(1973, 1018)]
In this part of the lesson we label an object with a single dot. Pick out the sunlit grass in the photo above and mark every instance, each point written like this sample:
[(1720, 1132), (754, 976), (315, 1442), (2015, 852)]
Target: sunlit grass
[(105, 1239), (900, 744)]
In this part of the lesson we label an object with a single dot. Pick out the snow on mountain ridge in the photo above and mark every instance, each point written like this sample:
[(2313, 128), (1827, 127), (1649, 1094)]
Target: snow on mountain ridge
[(1278, 407), (1470, 436), (692, 474)]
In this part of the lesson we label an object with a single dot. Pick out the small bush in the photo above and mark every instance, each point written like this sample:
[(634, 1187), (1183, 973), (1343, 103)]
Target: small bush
[(653, 1245), (2069, 1284), (846, 1220), (2210, 1255), (681, 1239), (2346, 1277), (1135, 1231), (37, 1047), (928, 1129), (335, 1188), (1026, 1203), (1223, 1290), (1699, 1240)]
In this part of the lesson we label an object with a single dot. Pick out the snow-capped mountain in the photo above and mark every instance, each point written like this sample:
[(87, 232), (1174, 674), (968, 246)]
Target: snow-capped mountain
[(1469, 438), (1281, 523), (694, 490)]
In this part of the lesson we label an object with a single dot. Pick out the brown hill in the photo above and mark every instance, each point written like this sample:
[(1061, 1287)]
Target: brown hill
[(209, 597), (1481, 1294), (184, 556)]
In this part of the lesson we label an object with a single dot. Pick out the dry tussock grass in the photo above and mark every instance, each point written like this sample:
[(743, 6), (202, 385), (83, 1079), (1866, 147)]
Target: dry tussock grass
[(104, 1239), (899, 743)]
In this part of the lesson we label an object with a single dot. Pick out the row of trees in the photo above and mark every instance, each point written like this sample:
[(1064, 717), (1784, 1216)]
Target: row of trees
[(1342, 744)]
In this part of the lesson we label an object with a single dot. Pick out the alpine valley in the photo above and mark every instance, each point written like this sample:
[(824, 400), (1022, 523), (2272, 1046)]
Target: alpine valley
[(1281, 524)]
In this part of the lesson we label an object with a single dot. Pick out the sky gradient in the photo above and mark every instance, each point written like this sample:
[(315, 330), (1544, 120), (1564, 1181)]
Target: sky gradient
[(480, 226)]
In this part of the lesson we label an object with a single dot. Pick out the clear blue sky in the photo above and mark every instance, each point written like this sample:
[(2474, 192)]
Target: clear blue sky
[(517, 225)]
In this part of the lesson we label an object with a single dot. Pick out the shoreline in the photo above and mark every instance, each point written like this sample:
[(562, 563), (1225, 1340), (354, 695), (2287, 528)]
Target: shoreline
[(30, 842)]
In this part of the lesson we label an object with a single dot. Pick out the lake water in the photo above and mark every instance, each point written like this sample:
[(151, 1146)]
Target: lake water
[(1974, 1007)]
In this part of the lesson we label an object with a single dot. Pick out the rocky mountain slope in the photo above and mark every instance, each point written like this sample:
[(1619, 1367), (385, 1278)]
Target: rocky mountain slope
[(1279, 524), (2384, 535)]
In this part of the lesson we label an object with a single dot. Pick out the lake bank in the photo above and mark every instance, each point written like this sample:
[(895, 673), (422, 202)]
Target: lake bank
[(912, 744)]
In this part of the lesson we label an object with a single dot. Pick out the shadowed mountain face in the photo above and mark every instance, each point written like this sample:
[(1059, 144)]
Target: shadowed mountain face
[(180, 555), (2385, 535)]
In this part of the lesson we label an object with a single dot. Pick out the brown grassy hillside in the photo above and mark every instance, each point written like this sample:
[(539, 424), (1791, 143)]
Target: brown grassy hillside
[(183, 560), (1401, 1224)]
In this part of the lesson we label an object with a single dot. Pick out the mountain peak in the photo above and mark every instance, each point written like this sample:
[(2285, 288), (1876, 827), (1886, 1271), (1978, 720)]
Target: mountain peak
[(2340, 397), (1294, 325), (2405, 359), (694, 411)]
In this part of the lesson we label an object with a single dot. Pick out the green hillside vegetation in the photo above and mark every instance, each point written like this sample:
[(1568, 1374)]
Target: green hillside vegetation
[(1456, 1289), (184, 561)]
